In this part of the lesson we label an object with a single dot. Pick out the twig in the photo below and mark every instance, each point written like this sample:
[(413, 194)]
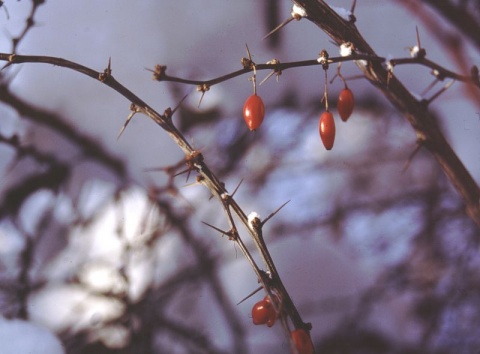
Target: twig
[(424, 122), (196, 162)]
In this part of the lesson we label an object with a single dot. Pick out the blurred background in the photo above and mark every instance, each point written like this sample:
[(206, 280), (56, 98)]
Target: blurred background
[(101, 247)]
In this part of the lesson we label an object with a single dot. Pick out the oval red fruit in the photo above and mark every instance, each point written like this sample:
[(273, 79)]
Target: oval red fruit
[(303, 342), (345, 104), (326, 128), (253, 112)]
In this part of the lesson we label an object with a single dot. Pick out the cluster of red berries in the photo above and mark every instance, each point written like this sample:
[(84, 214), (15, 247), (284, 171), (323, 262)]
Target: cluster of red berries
[(326, 126), (263, 312), (254, 112)]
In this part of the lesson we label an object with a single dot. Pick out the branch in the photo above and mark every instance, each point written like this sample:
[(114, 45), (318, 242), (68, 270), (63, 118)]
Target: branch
[(159, 73), (195, 161), (416, 112)]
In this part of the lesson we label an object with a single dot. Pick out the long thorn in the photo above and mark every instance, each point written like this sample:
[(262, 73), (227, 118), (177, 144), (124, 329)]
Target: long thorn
[(276, 211), (442, 90), (266, 78), (190, 184), (130, 116), (179, 103), (429, 87), (215, 228), (182, 172), (283, 24), (352, 9), (251, 294), (235, 191), (418, 38), (254, 70), (410, 158), (248, 52), (201, 98)]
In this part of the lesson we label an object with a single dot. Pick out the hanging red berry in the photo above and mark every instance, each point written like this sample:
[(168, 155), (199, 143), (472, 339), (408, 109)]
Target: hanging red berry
[(253, 112), (326, 128), (345, 104), (303, 342), (272, 315), (262, 313)]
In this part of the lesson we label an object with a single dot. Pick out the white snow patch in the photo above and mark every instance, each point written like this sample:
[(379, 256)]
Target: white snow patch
[(101, 277), (414, 51), (252, 216), (113, 336), (72, 307), (298, 12), (22, 337), (346, 49)]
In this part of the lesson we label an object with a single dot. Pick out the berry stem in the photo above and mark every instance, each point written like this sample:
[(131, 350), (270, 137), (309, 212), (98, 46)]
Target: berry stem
[(325, 91)]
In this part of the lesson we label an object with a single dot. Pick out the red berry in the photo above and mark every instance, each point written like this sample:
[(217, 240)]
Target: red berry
[(345, 104), (272, 316), (303, 342), (326, 128), (253, 112), (262, 312)]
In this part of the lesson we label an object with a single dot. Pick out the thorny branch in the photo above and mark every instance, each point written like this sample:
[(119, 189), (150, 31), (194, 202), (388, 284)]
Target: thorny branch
[(341, 31), (159, 73), (415, 111), (195, 161), (453, 44)]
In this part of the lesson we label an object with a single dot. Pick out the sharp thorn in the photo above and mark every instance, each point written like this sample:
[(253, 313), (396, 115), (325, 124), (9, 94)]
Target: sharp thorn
[(429, 87), (236, 188), (179, 103), (126, 123), (251, 294), (181, 173), (283, 24), (215, 228), (276, 211), (201, 98), (352, 10), (410, 158), (442, 90), (418, 38), (268, 76), (248, 52)]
